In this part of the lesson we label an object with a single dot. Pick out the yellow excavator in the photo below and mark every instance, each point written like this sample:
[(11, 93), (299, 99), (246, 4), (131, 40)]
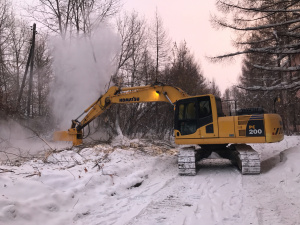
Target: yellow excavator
[(199, 120)]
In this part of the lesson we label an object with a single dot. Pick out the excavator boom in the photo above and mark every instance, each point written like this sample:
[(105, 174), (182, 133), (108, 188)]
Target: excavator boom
[(116, 95)]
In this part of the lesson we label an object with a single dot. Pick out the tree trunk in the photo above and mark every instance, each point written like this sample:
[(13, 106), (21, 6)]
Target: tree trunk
[(29, 97)]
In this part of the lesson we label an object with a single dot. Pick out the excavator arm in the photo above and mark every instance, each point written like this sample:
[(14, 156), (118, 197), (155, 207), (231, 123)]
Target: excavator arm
[(116, 95)]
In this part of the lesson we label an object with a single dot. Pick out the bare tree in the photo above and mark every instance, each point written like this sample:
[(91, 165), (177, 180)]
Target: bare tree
[(66, 16), (267, 28), (268, 35), (7, 79), (19, 36), (185, 72), (160, 42), (214, 89), (132, 31), (44, 75)]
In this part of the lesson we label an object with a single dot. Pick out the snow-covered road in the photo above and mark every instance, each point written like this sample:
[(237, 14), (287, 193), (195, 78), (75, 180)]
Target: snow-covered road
[(139, 184)]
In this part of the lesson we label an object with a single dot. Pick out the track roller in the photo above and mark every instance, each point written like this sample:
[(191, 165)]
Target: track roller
[(187, 161), (246, 158)]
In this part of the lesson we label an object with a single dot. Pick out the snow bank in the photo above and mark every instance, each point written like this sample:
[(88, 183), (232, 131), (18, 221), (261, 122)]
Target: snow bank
[(287, 173), (72, 186), (134, 182)]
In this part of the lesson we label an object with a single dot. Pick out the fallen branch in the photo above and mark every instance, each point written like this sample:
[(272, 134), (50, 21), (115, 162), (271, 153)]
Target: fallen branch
[(6, 171), (99, 166), (41, 138), (9, 153), (72, 174), (37, 134), (34, 174), (88, 181), (48, 153), (76, 203), (101, 160), (111, 176)]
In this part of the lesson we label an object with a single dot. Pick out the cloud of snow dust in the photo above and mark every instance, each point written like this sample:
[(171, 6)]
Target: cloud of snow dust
[(82, 68), (19, 142)]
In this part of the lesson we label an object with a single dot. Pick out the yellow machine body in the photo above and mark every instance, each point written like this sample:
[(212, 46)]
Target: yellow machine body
[(220, 129), (229, 130)]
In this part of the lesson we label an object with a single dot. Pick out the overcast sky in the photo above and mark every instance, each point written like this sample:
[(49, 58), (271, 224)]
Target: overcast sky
[(189, 20)]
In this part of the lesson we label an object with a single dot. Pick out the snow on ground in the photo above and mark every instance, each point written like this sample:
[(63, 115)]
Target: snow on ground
[(136, 182)]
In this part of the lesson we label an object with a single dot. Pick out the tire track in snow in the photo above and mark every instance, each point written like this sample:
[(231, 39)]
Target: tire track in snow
[(221, 200), (272, 204), (166, 205), (215, 195), (126, 203), (210, 196)]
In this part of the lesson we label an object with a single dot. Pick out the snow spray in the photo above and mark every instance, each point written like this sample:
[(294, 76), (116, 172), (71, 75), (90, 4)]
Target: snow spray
[(82, 69)]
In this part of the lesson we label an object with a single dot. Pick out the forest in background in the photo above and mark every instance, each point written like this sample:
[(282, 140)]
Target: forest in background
[(267, 35)]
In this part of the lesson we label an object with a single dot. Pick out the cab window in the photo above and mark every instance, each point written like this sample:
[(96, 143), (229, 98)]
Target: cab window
[(204, 108), (187, 119), (205, 112), (193, 113), (190, 111)]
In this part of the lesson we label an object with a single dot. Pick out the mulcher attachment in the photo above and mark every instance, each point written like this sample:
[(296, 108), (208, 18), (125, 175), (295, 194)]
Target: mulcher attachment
[(71, 135)]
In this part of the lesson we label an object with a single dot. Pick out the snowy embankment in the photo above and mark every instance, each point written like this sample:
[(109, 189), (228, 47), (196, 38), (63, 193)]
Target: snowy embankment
[(137, 183)]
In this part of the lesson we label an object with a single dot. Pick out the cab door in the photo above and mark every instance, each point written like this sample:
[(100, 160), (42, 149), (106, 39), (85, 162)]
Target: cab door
[(196, 118), (186, 116)]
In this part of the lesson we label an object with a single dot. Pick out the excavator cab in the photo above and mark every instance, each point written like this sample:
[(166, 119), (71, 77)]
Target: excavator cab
[(196, 118), (200, 120), (193, 113)]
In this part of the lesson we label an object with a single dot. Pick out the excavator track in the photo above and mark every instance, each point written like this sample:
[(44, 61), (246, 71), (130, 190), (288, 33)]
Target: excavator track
[(243, 156), (187, 161), (246, 158)]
